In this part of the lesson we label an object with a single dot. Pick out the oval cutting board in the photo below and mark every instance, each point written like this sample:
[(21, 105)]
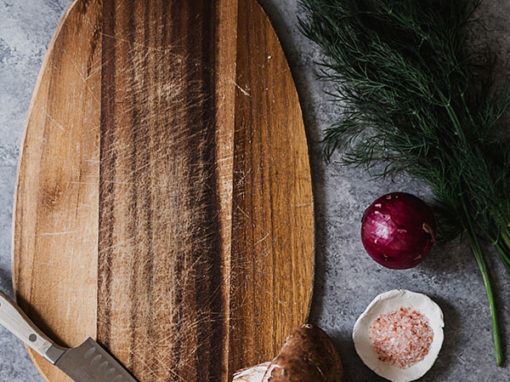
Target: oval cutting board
[(164, 201)]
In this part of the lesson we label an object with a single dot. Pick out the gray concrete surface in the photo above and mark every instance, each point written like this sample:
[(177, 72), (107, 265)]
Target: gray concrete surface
[(346, 279)]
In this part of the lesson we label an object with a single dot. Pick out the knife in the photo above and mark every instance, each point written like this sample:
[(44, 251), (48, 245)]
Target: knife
[(88, 362)]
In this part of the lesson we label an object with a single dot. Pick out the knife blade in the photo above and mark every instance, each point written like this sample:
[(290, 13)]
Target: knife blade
[(88, 362)]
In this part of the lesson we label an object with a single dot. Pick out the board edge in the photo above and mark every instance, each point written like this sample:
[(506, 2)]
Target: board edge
[(313, 207), (49, 52)]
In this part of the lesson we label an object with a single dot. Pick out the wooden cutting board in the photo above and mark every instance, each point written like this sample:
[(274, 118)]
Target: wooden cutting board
[(164, 201)]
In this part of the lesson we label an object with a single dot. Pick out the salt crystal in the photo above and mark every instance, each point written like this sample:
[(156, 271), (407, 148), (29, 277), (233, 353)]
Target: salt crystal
[(401, 338)]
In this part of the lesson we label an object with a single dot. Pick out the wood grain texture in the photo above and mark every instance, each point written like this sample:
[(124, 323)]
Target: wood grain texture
[(272, 230), (160, 264), (180, 214), (56, 212)]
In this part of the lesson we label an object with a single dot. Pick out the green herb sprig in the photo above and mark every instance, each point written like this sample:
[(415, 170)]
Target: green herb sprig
[(415, 97)]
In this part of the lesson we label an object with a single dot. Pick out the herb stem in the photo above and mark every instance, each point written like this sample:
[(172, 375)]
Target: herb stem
[(475, 247), (506, 239), (503, 256), (482, 265), (453, 117), (466, 108)]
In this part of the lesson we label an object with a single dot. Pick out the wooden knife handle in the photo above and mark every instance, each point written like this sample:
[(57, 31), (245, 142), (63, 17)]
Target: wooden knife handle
[(18, 323)]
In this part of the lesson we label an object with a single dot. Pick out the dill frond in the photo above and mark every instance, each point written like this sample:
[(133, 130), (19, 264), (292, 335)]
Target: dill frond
[(414, 96)]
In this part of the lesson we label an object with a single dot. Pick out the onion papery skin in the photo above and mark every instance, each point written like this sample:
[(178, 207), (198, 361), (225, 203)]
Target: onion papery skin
[(398, 230)]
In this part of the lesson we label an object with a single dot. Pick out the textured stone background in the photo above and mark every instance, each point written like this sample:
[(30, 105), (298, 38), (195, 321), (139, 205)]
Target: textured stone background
[(346, 279)]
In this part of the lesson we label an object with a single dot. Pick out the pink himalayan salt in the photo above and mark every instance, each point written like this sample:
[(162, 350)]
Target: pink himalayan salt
[(401, 338)]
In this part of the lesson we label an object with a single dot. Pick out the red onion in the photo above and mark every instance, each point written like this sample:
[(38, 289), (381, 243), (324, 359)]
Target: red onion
[(398, 230)]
